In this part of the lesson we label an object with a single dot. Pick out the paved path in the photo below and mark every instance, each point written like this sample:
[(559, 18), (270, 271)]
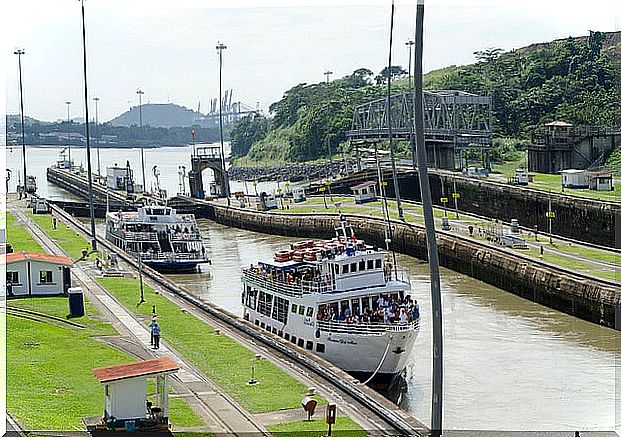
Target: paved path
[(219, 410)]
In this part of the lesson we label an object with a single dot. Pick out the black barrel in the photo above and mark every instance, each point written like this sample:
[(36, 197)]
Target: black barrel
[(76, 302)]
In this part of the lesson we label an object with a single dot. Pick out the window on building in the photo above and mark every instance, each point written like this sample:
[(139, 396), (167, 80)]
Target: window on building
[(321, 347), (45, 277), (13, 277)]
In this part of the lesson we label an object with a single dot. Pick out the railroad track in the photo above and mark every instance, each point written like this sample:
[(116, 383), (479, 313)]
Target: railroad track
[(400, 423)]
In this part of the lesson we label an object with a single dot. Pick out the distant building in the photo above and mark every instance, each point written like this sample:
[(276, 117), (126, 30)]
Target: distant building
[(560, 145), (600, 180), (364, 192), (574, 178), (30, 274)]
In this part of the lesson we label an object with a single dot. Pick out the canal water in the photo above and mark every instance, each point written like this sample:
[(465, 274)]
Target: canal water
[(509, 364)]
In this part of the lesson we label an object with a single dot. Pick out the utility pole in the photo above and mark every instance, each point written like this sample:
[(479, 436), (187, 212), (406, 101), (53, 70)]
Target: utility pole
[(395, 179), (550, 215), (327, 73), (410, 43), (144, 179), (69, 135), (19, 53), (456, 196), (225, 178), (96, 99), (430, 232), (88, 139)]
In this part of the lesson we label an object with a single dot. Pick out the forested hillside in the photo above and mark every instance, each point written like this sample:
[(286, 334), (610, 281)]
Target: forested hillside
[(575, 79)]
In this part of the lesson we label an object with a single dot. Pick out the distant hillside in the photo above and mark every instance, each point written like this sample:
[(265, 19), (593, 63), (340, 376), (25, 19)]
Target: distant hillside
[(159, 115)]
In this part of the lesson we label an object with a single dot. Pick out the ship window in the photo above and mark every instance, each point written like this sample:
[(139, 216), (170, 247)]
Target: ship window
[(265, 303), (353, 267), (281, 307), (280, 333), (268, 328), (301, 312), (378, 263), (361, 266), (345, 269), (301, 342), (365, 303), (256, 322), (309, 345), (375, 300), (321, 347), (336, 269), (287, 336), (263, 325), (355, 306), (294, 307), (370, 264), (293, 339), (274, 330), (309, 312)]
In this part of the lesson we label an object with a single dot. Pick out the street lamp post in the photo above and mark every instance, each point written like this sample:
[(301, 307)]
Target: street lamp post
[(96, 99), (88, 139), (19, 53), (69, 134), (410, 43), (144, 179), (225, 179), (430, 233)]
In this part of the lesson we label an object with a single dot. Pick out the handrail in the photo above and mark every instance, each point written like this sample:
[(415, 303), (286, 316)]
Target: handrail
[(295, 289), (366, 328)]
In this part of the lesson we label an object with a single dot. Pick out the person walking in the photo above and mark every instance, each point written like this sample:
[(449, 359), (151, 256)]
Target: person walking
[(156, 336), (152, 325)]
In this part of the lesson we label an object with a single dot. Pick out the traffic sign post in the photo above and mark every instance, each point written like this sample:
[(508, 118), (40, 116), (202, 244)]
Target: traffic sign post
[(444, 201)]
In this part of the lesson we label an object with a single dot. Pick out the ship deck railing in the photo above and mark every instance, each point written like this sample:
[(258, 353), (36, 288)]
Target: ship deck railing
[(182, 236), (294, 289), (380, 328), (139, 236), (171, 257)]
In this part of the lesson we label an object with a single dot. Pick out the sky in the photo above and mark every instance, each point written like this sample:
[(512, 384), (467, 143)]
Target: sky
[(167, 48)]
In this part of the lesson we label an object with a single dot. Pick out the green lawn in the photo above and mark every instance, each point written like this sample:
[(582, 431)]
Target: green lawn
[(220, 358), (344, 427), (19, 237), (67, 238), (50, 384)]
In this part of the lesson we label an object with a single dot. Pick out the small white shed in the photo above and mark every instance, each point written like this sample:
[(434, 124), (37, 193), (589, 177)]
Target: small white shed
[(364, 192), (30, 274), (125, 393), (521, 176), (573, 178), (600, 180), (119, 178)]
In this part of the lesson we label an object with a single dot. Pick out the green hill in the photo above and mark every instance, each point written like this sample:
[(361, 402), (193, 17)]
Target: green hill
[(574, 79)]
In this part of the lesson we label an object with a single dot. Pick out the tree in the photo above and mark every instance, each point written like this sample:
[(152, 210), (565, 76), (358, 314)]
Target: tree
[(250, 129), (395, 71)]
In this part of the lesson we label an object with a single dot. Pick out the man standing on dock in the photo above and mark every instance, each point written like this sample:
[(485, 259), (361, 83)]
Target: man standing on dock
[(152, 325), (156, 335)]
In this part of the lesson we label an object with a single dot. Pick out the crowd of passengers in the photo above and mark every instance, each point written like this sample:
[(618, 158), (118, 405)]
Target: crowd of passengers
[(290, 277), (384, 311)]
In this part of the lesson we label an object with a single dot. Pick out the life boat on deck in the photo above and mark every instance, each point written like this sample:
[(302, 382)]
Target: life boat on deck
[(283, 256)]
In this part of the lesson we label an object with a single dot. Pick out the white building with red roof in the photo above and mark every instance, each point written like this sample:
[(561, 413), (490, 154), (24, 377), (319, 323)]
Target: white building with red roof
[(37, 274)]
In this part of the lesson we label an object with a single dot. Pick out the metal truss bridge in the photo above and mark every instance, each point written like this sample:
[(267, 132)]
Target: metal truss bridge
[(454, 121)]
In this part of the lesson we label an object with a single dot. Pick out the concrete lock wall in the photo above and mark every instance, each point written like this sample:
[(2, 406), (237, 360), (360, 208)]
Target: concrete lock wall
[(586, 299)]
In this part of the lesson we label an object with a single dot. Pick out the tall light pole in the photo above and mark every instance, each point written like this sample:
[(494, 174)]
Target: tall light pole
[(68, 134), (327, 73), (96, 99), (144, 179), (225, 179), (410, 43), (395, 180), (88, 138), (430, 232), (19, 53)]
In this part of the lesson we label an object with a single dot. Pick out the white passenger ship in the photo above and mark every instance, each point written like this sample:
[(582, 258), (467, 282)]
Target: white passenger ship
[(164, 240), (340, 299)]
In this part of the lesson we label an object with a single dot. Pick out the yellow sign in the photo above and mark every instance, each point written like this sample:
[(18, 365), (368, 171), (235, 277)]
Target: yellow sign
[(456, 195), (279, 190), (550, 214), (444, 199), (384, 184), (322, 189)]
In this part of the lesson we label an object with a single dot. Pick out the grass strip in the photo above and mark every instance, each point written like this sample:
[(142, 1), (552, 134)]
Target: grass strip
[(19, 237), (344, 427), (220, 358), (71, 242)]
